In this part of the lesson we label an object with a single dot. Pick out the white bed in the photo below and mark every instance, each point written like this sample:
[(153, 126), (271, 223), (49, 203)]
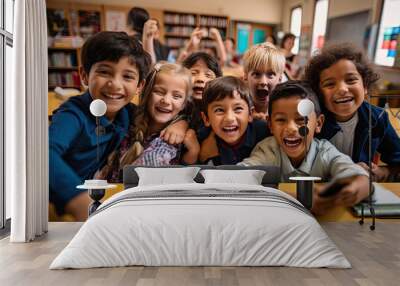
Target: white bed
[(201, 224)]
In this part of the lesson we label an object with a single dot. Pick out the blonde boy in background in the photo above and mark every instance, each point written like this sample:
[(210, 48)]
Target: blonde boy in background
[(263, 65)]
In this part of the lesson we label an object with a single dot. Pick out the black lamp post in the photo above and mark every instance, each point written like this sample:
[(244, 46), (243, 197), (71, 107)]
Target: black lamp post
[(304, 184), (97, 188)]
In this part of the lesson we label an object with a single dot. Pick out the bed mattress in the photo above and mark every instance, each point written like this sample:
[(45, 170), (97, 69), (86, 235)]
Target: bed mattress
[(201, 225)]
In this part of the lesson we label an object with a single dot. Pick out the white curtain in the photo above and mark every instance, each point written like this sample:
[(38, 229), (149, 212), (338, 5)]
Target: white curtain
[(27, 124)]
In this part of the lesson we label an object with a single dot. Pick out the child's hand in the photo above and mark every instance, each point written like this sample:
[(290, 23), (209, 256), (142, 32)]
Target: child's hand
[(321, 205), (196, 36), (150, 28), (379, 173), (190, 141), (193, 147), (214, 33), (209, 148), (356, 189), (78, 206), (175, 133)]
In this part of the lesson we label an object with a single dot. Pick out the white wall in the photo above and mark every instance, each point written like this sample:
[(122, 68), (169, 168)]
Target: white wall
[(266, 11)]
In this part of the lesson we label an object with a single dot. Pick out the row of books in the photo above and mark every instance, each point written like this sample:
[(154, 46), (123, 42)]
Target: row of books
[(179, 30), (82, 22), (213, 21), (62, 59), (64, 79), (179, 19)]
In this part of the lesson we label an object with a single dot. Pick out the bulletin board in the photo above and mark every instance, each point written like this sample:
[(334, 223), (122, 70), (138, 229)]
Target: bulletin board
[(116, 20), (388, 35), (258, 36)]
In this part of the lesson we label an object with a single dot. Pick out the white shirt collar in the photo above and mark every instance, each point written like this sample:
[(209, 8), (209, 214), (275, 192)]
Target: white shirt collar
[(305, 166)]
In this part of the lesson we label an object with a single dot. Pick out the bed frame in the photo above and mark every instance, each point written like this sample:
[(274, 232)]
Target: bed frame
[(270, 179), (131, 178)]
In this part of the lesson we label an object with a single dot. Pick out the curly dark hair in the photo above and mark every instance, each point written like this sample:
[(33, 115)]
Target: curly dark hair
[(331, 55)]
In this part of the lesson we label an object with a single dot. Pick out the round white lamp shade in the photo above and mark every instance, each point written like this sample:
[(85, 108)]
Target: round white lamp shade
[(98, 107), (304, 178), (96, 184), (305, 107)]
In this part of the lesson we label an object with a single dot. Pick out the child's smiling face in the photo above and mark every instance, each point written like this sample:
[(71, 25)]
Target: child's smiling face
[(343, 89), (167, 99), (284, 122), (114, 83), (228, 118), (201, 74), (261, 83)]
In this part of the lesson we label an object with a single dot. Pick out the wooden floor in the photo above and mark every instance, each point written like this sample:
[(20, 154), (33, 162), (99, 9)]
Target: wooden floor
[(375, 257)]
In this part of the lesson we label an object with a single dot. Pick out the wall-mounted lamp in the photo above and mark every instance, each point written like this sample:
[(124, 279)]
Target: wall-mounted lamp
[(304, 184), (97, 188)]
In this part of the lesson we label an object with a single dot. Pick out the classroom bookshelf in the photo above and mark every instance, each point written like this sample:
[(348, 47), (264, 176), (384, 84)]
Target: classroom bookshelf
[(69, 24), (63, 67), (68, 21), (179, 25), (74, 19)]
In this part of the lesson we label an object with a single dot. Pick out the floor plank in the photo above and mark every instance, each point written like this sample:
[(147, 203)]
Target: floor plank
[(374, 255)]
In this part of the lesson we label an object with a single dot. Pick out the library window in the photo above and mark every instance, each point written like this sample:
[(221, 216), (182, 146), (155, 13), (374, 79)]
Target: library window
[(6, 44), (295, 27), (319, 25)]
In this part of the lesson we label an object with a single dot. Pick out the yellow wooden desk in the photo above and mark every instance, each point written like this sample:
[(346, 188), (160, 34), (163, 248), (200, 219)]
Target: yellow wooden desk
[(54, 102), (337, 214), (54, 217), (395, 121)]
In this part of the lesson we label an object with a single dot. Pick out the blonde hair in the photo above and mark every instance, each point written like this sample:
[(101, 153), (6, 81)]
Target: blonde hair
[(262, 56)]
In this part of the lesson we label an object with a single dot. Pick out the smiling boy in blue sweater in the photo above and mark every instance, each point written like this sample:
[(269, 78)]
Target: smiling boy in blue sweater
[(113, 67)]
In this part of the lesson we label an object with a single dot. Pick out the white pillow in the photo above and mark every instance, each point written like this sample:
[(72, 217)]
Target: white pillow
[(164, 176), (249, 177)]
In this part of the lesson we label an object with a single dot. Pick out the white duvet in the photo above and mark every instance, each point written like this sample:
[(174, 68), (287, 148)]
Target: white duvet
[(222, 225)]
